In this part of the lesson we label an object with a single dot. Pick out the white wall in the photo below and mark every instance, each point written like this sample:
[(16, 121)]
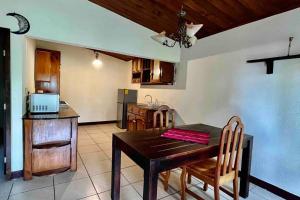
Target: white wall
[(220, 84), (86, 24), (91, 92), (76, 22)]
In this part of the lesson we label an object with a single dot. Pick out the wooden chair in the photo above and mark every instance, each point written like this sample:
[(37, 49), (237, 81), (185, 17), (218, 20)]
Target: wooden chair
[(169, 123), (224, 169)]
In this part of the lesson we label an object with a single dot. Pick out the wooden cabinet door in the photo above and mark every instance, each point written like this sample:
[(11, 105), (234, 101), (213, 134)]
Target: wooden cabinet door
[(42, 65), (136, 65), (167, 72), (131, 122), (47, 71), (156, 72), (140, 123)]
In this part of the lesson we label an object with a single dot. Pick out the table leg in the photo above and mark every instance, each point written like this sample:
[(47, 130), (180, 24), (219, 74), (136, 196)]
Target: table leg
[(245, 170), (116, 170), (150, 182)]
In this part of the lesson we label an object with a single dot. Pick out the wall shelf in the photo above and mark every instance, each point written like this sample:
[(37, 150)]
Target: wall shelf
[(270, 61)]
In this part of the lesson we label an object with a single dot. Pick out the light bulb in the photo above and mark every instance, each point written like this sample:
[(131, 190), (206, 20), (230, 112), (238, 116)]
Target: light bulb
[(97, 62)]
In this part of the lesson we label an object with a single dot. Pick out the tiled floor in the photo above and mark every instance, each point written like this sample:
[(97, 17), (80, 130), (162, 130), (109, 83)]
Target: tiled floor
[(92, 179)]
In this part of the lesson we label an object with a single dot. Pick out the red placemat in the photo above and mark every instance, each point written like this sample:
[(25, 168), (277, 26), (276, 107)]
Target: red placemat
[(187, 135)]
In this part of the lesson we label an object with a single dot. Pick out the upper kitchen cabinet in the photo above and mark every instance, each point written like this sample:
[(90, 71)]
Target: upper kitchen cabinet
[(155, 72), (136, 70), (47, 71)]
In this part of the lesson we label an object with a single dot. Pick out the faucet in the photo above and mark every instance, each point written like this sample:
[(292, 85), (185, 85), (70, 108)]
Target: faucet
[(150, 98)]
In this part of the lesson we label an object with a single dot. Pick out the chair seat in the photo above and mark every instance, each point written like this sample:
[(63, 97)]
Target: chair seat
[(205, 170)]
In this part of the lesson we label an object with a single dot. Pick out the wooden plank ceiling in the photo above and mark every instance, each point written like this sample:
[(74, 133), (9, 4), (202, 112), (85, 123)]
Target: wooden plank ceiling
[(216, 15)]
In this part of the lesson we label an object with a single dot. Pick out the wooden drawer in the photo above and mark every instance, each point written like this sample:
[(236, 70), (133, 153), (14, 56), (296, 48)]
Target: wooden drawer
[(130, 108), (130, 116), (50, 159), (51, 131), (143, 112), (136, 110)]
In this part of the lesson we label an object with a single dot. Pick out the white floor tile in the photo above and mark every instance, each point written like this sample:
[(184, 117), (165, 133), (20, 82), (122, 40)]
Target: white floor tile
[(102, 182), (74, 190), (102, 139), (105, 146), (126, 162), (265, 194), (5, 187), (39, 194), (96, 131), (133, 174), (88, 148), (94, 197), (126, 193), (100, 155), (69, 176), (37, 182), (161, 193), (83, 142), (95, 167)]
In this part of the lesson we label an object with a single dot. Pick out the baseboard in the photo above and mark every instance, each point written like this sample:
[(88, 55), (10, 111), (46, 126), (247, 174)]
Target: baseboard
[(274, 189), (95, 123), (16, 174)]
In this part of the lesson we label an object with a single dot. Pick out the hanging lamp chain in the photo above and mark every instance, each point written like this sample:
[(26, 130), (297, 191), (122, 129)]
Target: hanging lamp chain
[(290, 44), (180, 36)]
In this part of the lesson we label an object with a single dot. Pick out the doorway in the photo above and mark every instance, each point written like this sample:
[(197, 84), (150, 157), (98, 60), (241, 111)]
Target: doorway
[(5, 167)]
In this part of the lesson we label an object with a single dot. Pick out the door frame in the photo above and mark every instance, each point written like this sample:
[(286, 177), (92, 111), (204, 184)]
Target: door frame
[(7, 101)]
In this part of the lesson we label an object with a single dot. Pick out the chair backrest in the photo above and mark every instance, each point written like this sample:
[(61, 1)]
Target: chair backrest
[(170, 117), (231, 142)]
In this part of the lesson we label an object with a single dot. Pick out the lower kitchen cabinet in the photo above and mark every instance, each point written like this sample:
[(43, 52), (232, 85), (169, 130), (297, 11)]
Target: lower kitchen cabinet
[(50, 143), (139, 117)]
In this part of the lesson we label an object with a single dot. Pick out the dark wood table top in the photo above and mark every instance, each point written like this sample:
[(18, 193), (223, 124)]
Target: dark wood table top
[(150, 145)]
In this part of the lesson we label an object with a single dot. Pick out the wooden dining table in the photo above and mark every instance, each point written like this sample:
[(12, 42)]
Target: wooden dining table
[(156, 154)]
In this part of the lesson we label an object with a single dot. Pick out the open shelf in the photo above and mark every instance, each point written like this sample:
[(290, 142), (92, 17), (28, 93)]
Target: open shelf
[(270, 61)]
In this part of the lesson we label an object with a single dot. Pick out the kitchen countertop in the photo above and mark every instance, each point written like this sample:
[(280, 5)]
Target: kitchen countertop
[(65, 111)]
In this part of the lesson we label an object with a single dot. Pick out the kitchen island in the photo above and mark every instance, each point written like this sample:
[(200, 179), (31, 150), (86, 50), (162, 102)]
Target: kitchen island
[(50, 142)]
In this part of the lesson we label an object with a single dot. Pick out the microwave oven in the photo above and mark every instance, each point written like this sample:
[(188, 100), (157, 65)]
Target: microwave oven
[(44, 103)]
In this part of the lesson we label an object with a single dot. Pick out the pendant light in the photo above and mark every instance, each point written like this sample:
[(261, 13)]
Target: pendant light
[(97, 62), (185, 35)]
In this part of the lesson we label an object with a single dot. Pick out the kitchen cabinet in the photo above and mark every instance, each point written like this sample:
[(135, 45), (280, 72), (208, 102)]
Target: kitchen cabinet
[(136, 70), (140, 117), (152, 72), (47, 71), (155, 72), (50, 142)]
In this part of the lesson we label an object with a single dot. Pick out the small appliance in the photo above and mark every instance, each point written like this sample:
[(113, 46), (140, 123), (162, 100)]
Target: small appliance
[(125, 96), (44, 103)]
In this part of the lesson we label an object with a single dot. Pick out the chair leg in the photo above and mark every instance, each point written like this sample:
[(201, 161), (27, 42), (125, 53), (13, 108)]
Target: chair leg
[(183, 183), (205, 186), (217, 191), (189, 179), (166, 179), (235, 189)]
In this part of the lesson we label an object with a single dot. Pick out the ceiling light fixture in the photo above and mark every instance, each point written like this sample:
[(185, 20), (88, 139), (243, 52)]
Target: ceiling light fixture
[(97, 62), (185, 35)]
